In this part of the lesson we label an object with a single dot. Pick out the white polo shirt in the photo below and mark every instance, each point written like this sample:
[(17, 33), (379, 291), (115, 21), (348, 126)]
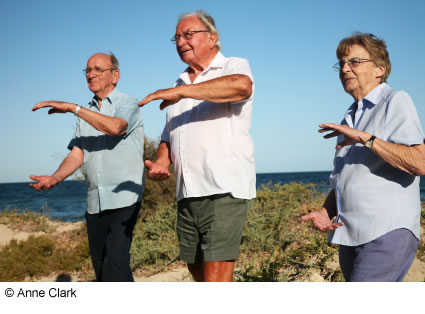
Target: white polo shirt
[(211, 147)]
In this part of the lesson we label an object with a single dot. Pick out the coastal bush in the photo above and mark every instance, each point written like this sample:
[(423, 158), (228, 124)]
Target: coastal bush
[(43, 255), (267, 223), (277, 246), (26, 221), (154, 239)]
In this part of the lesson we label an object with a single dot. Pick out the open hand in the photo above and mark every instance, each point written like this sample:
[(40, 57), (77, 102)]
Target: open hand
[(43, 182), (57, 106), (169, 97), (156, 171), (321, 221), (351, 136)]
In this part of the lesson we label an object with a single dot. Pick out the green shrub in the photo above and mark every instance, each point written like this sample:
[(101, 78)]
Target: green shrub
[(28, 220), (267, 222), (276, 245), (43, 255), (154, 239)]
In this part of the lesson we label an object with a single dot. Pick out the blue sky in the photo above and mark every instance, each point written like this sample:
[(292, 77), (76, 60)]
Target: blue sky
[(290, 46)]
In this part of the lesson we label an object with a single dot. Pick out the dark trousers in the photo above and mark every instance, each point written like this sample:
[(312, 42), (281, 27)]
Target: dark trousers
[(110, 234), (387, 258)]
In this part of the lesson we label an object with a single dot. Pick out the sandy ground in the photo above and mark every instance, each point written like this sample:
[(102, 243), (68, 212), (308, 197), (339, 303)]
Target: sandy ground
[(179, 273)]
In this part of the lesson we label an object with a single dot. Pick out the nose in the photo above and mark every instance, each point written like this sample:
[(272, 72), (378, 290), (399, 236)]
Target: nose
[(345, 68), (181, 41), (90, 74)]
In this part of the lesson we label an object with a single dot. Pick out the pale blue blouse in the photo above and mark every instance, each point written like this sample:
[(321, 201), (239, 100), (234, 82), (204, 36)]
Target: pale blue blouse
[(113, 165), (373, 197)]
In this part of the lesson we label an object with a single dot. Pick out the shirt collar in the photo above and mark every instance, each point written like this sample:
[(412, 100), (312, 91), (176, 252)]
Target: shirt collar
[(111, 98), (217, 62), (372, 98), (375, 95)]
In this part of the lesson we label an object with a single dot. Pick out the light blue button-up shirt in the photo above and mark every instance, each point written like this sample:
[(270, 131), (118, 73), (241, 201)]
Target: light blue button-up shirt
[(113, 165), (373, 197)]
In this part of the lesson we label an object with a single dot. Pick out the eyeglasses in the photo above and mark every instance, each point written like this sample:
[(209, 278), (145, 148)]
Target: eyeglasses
[(186, 35), (96, 70), (352, 63)]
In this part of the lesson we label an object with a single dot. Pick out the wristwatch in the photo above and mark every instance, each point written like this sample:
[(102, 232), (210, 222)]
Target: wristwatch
[(369, 142), (77, 110)]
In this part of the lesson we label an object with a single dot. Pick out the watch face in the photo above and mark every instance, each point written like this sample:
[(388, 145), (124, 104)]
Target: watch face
[(368, 144)]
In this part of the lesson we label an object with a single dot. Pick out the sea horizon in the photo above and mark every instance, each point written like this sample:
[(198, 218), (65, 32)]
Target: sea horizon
[(67, 201)]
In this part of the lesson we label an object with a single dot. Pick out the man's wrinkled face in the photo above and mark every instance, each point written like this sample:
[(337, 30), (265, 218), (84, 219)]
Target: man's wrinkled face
[(100, 77), (197, 48)]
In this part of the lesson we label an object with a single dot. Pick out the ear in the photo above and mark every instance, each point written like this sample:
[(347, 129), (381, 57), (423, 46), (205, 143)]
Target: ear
[(380, 70), (115, 76), (212, 40)]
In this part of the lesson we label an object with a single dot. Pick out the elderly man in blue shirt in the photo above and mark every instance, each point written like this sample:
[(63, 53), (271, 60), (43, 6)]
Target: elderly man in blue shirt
[(108, 143), (373, 212)]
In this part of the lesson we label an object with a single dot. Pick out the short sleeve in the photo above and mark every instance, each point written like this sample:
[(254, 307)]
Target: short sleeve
[(238, 66), (76, 139), (402, 124), (165, 136), (130, 112)]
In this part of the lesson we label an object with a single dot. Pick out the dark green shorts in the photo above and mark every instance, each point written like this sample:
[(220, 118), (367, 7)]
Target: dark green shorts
[(210, 228)]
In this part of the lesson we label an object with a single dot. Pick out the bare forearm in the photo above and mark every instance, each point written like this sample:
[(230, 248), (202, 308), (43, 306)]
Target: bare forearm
[(69, 165), (163, 155), (109, 125), (230, 88), (410, 159)]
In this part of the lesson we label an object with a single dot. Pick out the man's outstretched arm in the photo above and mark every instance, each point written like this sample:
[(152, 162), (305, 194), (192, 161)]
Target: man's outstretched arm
[(229, 88), (69, 165), (108, 125)]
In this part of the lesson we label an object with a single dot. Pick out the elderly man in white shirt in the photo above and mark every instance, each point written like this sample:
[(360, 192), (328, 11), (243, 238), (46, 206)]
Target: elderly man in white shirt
[(206, 138)]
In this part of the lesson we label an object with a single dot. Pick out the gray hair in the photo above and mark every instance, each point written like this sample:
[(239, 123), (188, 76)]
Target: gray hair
[(205, 19), (114, 61)]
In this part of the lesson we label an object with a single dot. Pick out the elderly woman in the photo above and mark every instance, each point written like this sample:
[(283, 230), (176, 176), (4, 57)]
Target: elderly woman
[(374, 208)]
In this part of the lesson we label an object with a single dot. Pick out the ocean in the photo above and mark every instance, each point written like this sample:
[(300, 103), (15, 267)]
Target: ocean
[(67, 201)]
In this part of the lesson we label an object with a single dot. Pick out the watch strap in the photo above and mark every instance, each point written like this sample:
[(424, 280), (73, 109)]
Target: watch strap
[(77, 110)]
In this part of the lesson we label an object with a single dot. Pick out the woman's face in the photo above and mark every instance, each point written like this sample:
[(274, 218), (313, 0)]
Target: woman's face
[(359, 78)]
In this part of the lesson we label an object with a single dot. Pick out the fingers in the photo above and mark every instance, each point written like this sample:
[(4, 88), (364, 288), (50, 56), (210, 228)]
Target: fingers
[(156, 172), (149, 164), (306, 217), (341, 144), (165, 104), (320, 223), (333, 134), (334, 226), (143, 102), (51, 111), (328, 126), (34, 178), (41, 104), (158, 175), (148, 99)]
